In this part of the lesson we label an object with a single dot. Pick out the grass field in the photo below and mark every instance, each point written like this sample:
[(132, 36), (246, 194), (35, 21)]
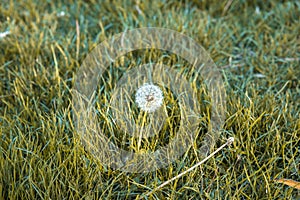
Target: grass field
[(256, 44)]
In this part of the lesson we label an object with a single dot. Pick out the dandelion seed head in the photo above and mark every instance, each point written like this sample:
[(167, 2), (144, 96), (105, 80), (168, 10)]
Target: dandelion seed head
[(149, 97)]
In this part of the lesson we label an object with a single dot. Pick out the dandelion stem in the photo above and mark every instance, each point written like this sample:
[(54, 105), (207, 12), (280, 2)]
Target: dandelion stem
[(142, 130)]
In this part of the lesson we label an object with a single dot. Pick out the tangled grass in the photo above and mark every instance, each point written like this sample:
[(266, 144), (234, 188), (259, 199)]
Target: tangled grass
[(256, 44)]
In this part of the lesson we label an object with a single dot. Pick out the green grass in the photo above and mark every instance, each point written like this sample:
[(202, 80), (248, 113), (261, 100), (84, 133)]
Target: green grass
[(256, 44)]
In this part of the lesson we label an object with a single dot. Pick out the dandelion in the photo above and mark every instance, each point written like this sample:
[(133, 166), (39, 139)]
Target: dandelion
[(149, 97)]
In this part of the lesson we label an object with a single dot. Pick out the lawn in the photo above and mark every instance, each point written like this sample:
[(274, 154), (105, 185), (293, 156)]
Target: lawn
[(254, 44)]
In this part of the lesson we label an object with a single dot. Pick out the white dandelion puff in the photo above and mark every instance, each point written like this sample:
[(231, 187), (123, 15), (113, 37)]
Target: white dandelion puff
[(149, 97)]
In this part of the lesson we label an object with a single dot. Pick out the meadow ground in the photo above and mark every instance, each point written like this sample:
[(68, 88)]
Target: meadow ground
[(256, 44)]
